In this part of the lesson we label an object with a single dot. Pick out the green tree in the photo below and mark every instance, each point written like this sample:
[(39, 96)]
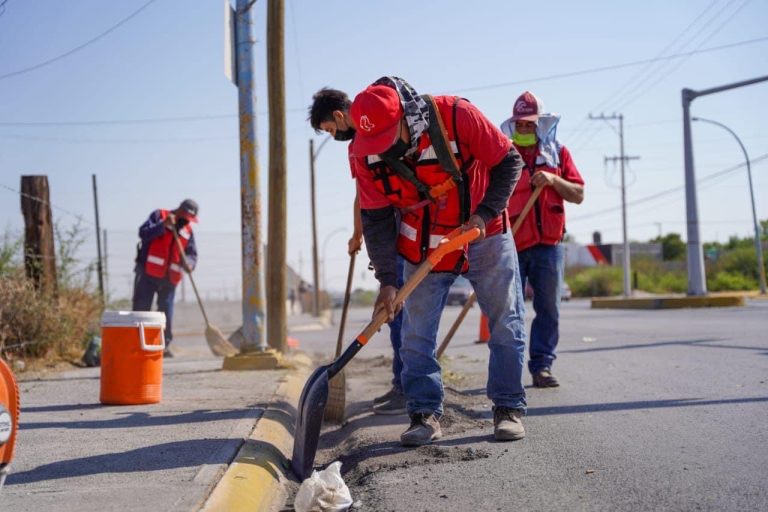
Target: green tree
[(672, 246)]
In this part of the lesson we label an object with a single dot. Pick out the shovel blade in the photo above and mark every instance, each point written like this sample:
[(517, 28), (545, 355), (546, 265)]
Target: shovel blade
[(314, 398)]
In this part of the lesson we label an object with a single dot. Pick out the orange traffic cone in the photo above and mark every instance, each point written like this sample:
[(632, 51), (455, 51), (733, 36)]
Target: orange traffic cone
[(485, 334)]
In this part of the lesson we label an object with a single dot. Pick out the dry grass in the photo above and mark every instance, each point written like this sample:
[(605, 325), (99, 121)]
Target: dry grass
[(41, 327)]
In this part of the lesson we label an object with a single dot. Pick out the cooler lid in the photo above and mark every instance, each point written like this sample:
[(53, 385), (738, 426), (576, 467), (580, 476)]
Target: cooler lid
[(132, 318)]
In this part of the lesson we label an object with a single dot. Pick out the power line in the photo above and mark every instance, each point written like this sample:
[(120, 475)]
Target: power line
[(208, 117), (668, 191), (149, 120), (35, 198), (77, 48), (611, 67), (619, 99)]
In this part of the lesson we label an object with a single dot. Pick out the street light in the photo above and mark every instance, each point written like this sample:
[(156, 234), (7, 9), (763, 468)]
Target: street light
[(312, 156), (325, 261), (758, 245)]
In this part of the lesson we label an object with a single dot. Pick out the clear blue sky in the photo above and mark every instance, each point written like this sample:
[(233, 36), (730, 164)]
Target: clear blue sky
[(167, 62)]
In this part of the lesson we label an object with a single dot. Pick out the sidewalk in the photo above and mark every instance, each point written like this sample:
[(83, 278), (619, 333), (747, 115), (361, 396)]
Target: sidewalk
[(75, 454)]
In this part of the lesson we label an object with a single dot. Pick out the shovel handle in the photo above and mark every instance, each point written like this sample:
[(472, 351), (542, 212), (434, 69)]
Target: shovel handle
[(526, 209), (452, 241)]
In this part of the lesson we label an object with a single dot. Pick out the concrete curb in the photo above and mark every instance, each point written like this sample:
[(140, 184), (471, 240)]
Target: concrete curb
[(708, 301), (255, 480)]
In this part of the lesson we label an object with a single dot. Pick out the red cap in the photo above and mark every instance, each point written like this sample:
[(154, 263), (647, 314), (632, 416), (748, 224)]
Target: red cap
[(376, 112), (527, 108)]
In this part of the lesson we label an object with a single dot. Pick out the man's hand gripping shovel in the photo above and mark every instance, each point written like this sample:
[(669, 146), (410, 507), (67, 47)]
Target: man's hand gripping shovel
[(315, 393)]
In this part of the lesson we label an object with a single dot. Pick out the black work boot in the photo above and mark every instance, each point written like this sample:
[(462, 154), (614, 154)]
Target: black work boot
[(544, 379), (392, 407), (386, 397), (508, 424), (424, 429)]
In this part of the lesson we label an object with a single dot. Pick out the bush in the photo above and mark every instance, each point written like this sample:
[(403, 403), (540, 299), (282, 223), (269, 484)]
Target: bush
[(40, 325), (730, 281), (600, 281), (33, 324)]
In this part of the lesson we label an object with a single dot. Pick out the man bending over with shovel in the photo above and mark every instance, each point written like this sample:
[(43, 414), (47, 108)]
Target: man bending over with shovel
[(425, 166), (159, 263), (329, 112)]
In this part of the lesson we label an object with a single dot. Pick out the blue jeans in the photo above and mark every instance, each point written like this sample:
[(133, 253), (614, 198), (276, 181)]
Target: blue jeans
[(542, 266), (494, 276), (395, 334), (144, 289)]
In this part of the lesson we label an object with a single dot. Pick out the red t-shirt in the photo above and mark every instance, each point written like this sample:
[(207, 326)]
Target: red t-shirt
[(477, 137)]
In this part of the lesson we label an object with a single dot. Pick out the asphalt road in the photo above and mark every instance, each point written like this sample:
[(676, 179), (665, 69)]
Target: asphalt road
[(658, 410)]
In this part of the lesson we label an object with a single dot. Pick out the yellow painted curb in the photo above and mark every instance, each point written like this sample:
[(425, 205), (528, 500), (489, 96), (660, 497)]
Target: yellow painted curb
[(707, 301), (255, 479)]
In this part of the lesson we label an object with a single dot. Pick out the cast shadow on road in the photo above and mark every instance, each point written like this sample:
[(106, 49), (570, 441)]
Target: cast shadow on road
[(146, 419), (359, 416), (611, 407), (159, 457), (705, 343)]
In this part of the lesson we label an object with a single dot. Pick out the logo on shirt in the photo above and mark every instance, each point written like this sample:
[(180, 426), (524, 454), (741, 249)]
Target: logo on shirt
[(366, 124)]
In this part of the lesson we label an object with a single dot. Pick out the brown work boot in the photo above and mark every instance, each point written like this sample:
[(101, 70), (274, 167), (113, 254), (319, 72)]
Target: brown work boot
[(508, 424), (424, 429), (544, 379)]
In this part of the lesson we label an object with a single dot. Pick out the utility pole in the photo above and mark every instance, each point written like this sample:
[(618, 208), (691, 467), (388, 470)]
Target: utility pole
[(315, 267), (622, 159), (277, 331), (39, 248), (98, 237), (697, 282), (253, 348), (106, 272), (315, 277)]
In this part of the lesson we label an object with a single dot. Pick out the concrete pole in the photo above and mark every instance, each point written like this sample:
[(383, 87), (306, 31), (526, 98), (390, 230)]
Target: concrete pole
[(697, 283), (277, 330), (758, 245), (250, 195)]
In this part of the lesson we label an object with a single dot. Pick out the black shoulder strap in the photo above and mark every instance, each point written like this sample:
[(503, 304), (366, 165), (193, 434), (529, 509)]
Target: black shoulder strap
[(439, 138), (406, 173)]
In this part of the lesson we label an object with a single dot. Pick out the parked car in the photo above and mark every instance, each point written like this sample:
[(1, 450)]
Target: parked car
[(459, 292), (565, 292)]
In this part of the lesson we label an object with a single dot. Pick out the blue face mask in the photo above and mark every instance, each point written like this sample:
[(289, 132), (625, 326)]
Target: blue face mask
[(524, 140)]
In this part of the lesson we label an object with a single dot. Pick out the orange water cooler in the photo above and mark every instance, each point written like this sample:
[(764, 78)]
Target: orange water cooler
[(9, 419), (132, 344)]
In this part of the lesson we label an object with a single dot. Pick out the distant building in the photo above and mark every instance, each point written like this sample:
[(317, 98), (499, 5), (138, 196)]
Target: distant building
[(577, 255)]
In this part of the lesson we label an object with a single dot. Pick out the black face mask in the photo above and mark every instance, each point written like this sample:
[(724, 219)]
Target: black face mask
[(397, 151), (342, 135), (181, 222)]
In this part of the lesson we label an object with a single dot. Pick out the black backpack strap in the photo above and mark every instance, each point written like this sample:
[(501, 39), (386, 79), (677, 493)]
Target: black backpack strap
[(439, 138), (406, 173)]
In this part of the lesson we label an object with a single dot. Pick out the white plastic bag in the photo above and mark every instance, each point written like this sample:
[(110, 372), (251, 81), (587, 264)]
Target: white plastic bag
[(323, 491)]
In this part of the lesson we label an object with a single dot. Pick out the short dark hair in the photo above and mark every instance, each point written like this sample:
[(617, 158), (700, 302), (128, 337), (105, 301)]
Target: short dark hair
[(324, 103)]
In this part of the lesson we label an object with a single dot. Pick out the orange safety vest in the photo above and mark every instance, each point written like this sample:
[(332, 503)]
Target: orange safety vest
[(163, 258), (545, 222), (433, 204)]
